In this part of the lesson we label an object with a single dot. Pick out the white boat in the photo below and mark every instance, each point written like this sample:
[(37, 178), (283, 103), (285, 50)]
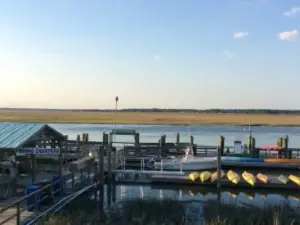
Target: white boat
[(187, 163)]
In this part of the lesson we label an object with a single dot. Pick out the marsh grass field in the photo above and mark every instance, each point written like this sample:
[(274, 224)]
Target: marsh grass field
[(148, 118)]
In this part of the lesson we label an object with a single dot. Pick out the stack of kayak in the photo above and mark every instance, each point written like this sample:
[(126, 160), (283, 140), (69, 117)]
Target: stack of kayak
[(235, 178), (205, 176)]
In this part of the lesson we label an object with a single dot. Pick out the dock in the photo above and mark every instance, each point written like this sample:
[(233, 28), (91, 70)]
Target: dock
[(184, 180)]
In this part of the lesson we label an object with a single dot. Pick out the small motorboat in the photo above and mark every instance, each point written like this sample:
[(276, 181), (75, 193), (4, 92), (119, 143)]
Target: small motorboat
[(283, 179), (249, 178), (262, 178), (295, 179), (204, 176), (193, 176), (214, 176), (233, 177)]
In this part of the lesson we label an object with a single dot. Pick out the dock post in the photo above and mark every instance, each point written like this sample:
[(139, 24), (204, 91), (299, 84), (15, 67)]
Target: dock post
[(160, 146), (253, 146), (109, 160), (78, 143), (66, 145), (285, 146), (249, 145), (177, 141), (192, 145), (137, 144), (221, 144), (280, 144), (163, 138), (101, 160), (219, 164)]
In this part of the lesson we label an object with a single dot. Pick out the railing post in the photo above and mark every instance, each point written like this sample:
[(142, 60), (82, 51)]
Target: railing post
[(18, 214), (36, 203), (73, 181)]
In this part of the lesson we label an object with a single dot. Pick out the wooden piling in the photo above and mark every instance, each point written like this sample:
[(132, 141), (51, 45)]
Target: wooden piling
[(249, 145), (219, 154), (137, 144), (101, 159), (177, 138), (66, 145), (109, 158), (78, 143), (255, 152), (192, 145), (280, 144), (221, 144), (285, 146)]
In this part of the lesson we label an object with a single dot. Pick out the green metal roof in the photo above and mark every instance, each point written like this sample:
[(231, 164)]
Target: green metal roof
[(14, 135)]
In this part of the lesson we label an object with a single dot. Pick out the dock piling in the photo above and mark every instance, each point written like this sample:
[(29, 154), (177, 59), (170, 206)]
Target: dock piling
[(219, 153), (221, 144), (249, 145), (137, 143), (109, 158)]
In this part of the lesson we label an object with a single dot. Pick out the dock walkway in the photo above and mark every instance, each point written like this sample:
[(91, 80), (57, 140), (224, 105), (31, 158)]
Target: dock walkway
[(9, 216)]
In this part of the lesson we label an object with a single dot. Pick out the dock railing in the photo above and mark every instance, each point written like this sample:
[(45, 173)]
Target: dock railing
[(44, 196), (38, 196), (61, 204)]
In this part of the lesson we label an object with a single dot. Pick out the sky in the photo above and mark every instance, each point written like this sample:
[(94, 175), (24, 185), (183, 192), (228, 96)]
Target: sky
[(150, 53)]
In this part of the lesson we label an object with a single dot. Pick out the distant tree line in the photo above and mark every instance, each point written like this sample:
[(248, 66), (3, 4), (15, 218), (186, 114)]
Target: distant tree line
[(235, 111)]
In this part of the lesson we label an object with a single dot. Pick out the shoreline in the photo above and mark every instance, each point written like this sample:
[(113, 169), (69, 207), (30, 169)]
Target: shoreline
[(146, 118)]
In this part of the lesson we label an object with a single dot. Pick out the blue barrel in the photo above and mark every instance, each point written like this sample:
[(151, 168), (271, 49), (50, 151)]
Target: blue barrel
[(31, 200), (58, 192)]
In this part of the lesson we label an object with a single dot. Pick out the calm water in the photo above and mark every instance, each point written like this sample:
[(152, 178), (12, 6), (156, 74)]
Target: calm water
[(203, 135), (204, 194)]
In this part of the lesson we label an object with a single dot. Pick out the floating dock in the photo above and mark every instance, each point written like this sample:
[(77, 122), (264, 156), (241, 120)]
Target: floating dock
[(273, 183)]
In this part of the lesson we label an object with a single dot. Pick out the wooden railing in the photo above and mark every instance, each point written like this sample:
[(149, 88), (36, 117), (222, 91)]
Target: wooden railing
[(39, 196)]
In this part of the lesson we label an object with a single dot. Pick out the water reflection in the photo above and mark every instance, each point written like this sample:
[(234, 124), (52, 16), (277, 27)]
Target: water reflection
[(258, 198)]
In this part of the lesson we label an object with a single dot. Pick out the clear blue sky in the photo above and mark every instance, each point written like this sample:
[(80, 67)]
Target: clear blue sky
[(151, 53)]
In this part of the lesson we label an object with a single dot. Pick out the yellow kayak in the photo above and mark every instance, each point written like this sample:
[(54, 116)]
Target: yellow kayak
[(249, 178), (204, 176), (193, 176), (214, 176), (263, 178), (283, 179), (295, 179), (233, 177)]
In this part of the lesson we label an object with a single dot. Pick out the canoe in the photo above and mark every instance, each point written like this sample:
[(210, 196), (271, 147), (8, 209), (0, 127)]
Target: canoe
[(193, 176), (262, 178), (295, 179), (204, 176), (214, 176), (249, 178), (233, 177), (276, 160), (283, 179)]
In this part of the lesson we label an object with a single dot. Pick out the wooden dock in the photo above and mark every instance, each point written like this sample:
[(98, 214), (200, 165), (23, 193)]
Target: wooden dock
[(184, 180)]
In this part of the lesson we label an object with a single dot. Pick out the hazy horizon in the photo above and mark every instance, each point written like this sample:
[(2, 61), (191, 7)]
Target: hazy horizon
[(124, 109), (233, 54)]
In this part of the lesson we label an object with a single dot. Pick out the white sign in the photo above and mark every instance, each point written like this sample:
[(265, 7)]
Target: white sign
[(38, 151)]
